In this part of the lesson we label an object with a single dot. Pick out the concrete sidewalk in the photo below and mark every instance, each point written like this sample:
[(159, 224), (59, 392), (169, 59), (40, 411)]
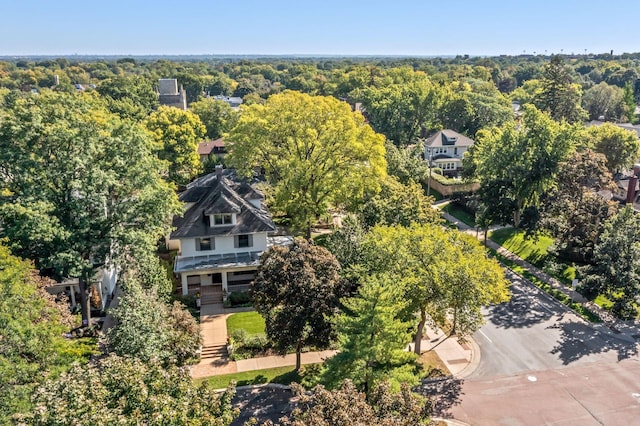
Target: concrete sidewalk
[(460, 359)]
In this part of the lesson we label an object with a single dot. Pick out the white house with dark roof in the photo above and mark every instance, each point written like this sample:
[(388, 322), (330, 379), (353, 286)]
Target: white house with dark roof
[(445, 149), (224, 230)]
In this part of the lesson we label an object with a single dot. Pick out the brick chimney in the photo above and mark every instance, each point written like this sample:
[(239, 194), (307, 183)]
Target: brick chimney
[(633, 180)]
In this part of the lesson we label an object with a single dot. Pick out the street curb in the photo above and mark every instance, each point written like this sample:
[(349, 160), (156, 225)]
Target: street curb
[(263, 385), (473, 365), (453, 422)]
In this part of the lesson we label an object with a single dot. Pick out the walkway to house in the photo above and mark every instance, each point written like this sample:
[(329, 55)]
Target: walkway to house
[(627, 330), (460, 359)]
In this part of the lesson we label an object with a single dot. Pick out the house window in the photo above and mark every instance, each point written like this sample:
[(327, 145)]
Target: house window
[(222, 219), (243, 241), (204, 244), (455, 151)]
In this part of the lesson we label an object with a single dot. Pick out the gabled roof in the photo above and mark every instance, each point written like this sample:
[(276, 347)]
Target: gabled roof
[(221, 192), (205, 148), (448, 137)]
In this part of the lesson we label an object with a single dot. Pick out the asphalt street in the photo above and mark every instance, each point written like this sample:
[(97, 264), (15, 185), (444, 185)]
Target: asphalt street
[(541, 364)]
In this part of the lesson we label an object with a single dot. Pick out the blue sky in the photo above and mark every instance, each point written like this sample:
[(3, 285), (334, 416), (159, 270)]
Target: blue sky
[(347, 27)]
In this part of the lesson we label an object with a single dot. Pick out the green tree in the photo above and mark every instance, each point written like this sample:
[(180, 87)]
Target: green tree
[(297, 289), (517, 163), (150, 330), (347, 406), (32, 345), (559, 97), (372, 339), (89, 175), (398, 204), (446, 275), (130, 97), (573, 212), (621, 147), (603, 100), (406, 164), (615, 271), (629, 103), (127, 391), (315, 151), (177, 134), (400, 111), (217, 116)]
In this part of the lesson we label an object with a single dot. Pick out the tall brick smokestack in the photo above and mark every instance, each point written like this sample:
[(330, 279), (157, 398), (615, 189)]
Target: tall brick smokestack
[(633, 180)]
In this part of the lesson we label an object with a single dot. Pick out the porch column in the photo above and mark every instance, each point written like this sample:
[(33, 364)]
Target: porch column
[(185, 285), (224, 281)]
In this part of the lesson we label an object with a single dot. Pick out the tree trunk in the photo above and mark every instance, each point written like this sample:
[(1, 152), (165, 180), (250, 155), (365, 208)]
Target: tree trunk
[(85, 307), (298, 356), (418, 339)]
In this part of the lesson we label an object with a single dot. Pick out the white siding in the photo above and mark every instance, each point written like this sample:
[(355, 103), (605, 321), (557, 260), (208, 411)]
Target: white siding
[(224, 244)]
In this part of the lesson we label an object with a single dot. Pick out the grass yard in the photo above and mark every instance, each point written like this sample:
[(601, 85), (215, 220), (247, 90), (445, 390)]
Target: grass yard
[(460, 214), (282, 375), (252, 322), (532, 250)]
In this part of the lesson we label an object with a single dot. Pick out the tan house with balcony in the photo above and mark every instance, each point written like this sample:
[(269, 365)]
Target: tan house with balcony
[(224, 230)]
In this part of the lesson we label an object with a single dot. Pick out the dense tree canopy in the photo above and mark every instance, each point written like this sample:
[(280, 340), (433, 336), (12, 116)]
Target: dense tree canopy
[(517, 163), (177, 134), (90, 177), (621, 147), (615, 271), (32, 326), (347, 406), (217, 116), (126, 391), (315, 151)]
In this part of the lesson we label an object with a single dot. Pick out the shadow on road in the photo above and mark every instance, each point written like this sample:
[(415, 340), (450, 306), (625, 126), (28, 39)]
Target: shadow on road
[(444, 393), (520, 312), (578, 340)]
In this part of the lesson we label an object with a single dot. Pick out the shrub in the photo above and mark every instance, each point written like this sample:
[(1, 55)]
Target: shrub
[(239, 336)]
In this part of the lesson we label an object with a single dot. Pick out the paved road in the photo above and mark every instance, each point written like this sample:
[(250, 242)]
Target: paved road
[(543, 365), (533, 332)]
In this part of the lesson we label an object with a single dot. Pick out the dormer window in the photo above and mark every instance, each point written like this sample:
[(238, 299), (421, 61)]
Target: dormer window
[(222, 219)]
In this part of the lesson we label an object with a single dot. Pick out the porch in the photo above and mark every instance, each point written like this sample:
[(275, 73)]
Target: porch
[(213, 285)]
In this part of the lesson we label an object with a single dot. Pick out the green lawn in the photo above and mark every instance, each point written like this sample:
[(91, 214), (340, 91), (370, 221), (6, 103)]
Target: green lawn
[(282, 375), (532, 250), (460, 214), (252, 322)]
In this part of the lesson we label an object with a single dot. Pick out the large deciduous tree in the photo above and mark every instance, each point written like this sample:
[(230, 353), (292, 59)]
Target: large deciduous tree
[(517, 163), (573, 211), (604, 101), (445, 274), (297, 290), (32, 325), (217, 116), (130, 97), (315, 151), (127, 391), (620, 146), (177, 134), (398, 204), (89, 175), (615, 271)]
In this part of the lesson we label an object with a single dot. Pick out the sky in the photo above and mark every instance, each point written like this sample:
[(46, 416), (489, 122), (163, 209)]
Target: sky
[(321, 27)]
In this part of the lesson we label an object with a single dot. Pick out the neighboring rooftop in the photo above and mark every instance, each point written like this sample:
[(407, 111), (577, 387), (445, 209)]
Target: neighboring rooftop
[(448, 137), (207, 147)]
